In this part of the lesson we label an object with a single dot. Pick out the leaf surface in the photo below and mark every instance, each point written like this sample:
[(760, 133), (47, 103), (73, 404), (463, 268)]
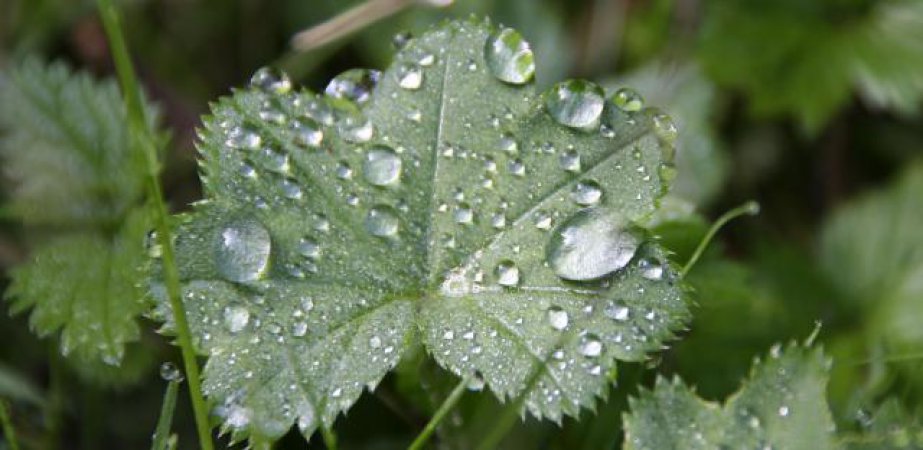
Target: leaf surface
[(442, 204)]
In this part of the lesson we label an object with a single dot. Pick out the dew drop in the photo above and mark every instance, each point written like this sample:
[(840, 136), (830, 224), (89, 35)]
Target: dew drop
[(476, 382), (509, 57), (355, 85), (382, 221), (783, 411), (375, 342), (558, 318), (517, 167), (169, 372), (400, 40), (236, 318), (410, 77), (543, 221), (498, 220), (591, 346), (508, 143), (663, 126), (628, 100), (299, 329), (382, 166), (271, 80), (243, 138), (242, 251), (651, 269), (586, 193), (344, 172), (617, 311), (507, 273), (591, 244), (463, 213), (307, 133), (356, 129), (575, 103), (570, 161), (309, 248), (290, 189)]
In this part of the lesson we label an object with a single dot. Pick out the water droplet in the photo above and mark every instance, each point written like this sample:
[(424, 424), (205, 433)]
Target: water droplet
[(290, 189), (586, 193), (575, 103), (400, 40), (271, 80), (507, 273), (344, 172), (307, 133), (517, 167), (243, 138), (169, 372), (628, 100), (617, 311), (543, 221), (591, 244), (375, 342), (355, 85), (498, 220), (275, 161), (508, 143), (558, 318), (356, 129), (382, 221), (299, 329), (570, 161), (663, 126), (476, 382), (382, 166), (242, 251), (783, 411), (509, 57), (236, 318), (308, 247), (152, 244), (410, 77), (591, 346), (463, 213)]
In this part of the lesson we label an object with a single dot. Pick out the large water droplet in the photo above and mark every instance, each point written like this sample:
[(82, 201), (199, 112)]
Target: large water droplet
[(507, 273), (382, 166), (236, 318), (575, 103), (509, 57), (558, 318), (355, 85), (591, 244), (628, 100), (242, 251), (410, 77), (271, 80), (382, 221), (586, 193)]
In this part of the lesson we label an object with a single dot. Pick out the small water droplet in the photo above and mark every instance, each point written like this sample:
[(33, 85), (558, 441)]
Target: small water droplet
[(299, 329), (570, 161), (498, 220), (356, 129), (476, 382), (517, 167), (290, 189), (271, 80), (617, 311), (410, 77), (243, 138), (382, 166), (575, 103), (382, 220), (355, 85), (586, 193), (558, 318), (543, 221), (400, 40), (591, 346), (236, 318), (242, 251), (308, 247), (591, 244), (628, 100), (375, 342), (169, 372), (507, 273), (664, 127), (463, 213), (508, 143), (307, 133), (344, 172), (784, 411), (509, 57), (651, 269)]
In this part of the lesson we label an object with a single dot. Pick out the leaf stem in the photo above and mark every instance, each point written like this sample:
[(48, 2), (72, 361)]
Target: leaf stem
[(145, 141), (162, 432), (751, 208), (8, 432), (330, 437), (440, 414), (346, 23), (507, 417)]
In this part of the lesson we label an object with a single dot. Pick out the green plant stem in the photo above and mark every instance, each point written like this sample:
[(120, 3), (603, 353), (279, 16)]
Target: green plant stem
[(132, 95), (330, 437), (751, 208), (8, 432), (440, 414), (507, 417), (54, 404), (162, 432)]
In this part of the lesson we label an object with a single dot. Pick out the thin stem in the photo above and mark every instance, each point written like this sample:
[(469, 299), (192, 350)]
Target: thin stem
[(751, 208), (8, 432), (443, 411), (54, 405), (330, 437), (162, 432), (507, 417), (346, 23), (140, 132)]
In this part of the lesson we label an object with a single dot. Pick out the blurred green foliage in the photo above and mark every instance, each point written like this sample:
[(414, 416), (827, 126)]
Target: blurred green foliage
[(809, 106)]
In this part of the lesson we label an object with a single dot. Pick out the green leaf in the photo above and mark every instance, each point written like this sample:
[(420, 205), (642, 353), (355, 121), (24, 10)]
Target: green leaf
[(782, 405), (872, 251), (442, 205), (821, 52), (68, 154), (890, 427)]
